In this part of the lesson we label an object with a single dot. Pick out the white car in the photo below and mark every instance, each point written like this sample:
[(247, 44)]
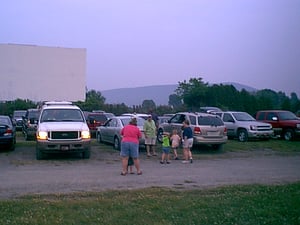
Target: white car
[(62, 128), (243, 126)]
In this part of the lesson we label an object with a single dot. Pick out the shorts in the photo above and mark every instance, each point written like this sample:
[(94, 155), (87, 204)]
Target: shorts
[(188, 143), (166, 150), (129, 149), (150, 141)]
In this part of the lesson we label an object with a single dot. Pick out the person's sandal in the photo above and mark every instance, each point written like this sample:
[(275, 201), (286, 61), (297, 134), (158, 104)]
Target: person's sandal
[(123, 173), (139, 173)]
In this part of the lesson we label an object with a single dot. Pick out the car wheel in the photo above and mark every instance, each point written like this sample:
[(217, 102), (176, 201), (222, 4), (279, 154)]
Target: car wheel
[(99, 139), (39, 154), (288, 134), (242, 135), (116, 143), (86, 154), (159, 136), (26, 136), (217, 147)]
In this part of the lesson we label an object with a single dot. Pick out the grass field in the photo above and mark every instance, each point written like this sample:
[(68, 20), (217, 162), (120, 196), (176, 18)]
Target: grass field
[(252, 204)]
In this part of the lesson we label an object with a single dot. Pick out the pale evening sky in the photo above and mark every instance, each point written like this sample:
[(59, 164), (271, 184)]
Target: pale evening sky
[(133, 43)]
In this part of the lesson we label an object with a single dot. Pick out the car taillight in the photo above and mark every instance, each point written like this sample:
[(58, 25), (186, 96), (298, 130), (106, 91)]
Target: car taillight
[(225, 130), (8, 131), (197, 130)]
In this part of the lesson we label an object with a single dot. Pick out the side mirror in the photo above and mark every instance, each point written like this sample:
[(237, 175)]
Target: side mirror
[(275, 118)]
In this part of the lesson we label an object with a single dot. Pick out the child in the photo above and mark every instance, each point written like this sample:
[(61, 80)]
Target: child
[(130, 164), (166, 149), (175, 140)]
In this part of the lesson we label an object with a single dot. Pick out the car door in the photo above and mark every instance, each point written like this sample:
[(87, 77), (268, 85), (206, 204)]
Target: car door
[(176, 123), (104, 131), (230, 124), (112, 128)]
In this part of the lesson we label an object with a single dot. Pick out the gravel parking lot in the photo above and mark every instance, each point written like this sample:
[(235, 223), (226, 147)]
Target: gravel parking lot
[(22, 174)]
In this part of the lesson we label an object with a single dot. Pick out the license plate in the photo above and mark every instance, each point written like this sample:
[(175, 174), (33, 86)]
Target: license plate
[(212, 133), (64, 148)]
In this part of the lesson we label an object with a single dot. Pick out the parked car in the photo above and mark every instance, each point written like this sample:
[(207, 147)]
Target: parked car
[(209, 109), (96, 119), (62, 128), (110, 131), (30, 121), (18, 118), (7, 133), (142, 115), (163, 119), (243, 126), (285, 123), (208, 129)]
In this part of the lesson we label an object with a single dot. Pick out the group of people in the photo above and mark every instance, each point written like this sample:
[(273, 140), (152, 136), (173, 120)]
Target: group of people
[(130, 144)]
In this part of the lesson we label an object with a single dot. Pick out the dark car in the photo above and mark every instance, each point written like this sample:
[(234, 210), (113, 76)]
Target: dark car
[(96, 119), (7, 133), (30, 121), (18, 118)]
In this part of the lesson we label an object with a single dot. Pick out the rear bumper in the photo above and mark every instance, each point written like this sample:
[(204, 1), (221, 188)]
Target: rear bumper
[(210, 140)]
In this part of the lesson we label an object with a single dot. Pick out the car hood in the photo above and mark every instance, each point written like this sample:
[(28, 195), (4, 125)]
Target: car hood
[(63, 126), (255, 123)]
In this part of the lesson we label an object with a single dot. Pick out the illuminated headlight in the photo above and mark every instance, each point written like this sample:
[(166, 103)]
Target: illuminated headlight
[(252, 127), (42, 135), (85, 134)]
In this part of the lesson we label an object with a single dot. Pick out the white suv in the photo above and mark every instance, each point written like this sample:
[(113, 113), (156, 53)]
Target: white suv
[(62, 128), (243, 126)]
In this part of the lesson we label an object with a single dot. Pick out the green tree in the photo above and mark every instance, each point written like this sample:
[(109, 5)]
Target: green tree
[(148, 105), (193, 93), (175, 101), (94, 101)]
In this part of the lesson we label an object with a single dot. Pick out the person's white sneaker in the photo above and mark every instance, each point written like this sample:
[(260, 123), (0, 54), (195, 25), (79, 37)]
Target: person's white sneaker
[(185, 161)]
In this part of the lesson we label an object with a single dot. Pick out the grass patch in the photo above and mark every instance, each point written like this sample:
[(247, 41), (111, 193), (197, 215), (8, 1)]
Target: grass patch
[(251, 204)]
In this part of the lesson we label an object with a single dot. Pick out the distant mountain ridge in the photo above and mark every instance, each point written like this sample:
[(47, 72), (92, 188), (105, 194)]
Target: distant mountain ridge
[(158, 93)]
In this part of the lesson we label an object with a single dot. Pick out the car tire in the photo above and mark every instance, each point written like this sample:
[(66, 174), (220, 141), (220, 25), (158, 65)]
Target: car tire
[(242, 135), (86, 154), (159, 136), (99, 139), (217, 147), (39, 154), (26, 136), (117, 143), (288, 134)]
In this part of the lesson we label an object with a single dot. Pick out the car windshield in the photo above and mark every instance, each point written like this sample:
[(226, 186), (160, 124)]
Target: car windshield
[(4, 120), (19, 113), (33, 114), (287, 116), (241, 116), (68, 115), (140, 121)]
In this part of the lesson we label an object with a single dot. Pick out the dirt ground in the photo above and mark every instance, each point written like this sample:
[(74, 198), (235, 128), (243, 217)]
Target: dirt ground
[(21, 174)]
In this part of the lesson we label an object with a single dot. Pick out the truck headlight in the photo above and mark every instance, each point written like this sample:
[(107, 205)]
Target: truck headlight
[(85, 134), (42, 135), (253, 127)]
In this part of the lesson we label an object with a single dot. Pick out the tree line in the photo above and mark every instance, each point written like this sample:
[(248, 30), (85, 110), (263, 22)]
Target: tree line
[(189, 96)]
